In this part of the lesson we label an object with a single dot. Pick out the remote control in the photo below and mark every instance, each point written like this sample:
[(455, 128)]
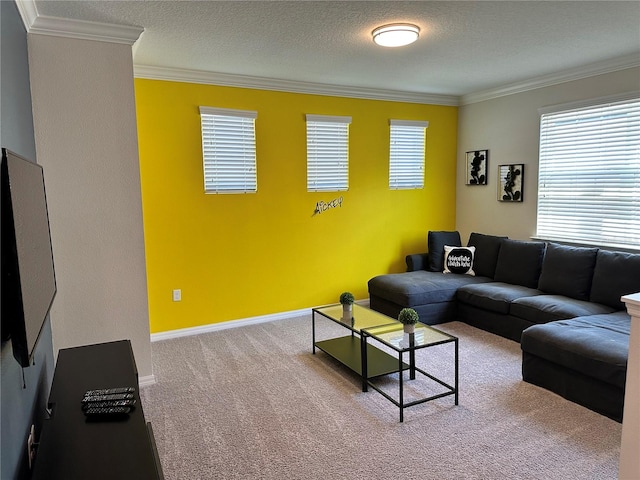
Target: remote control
[(108, 391), (110, 403), (107, 411), (105, 398)]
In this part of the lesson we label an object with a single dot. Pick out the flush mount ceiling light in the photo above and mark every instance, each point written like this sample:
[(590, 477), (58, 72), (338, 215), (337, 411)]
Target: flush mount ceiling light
[(396, 34)]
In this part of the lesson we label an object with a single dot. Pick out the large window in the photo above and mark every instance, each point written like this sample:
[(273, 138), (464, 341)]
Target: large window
[(589, 174), (327, 153), (228, 150), (406, 154)]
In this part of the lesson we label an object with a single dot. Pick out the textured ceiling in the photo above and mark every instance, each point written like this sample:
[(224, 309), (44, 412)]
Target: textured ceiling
[(464, 47)]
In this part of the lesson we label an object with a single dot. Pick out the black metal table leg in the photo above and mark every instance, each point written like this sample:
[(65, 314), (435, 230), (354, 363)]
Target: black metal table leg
[(412, 357), (313, 331), (401, 396), (363, 359), (456, 384)]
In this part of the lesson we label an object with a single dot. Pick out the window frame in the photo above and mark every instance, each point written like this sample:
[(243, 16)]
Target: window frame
[(407, 168), (327, 153), (596, 214), (233, 169)]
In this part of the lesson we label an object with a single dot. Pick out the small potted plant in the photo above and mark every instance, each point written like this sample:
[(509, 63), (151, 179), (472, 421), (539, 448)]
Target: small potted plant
[(347, 299), (408, 317)]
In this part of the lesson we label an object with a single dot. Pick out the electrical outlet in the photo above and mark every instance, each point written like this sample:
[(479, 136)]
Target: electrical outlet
[(177, 295), (31, 446)]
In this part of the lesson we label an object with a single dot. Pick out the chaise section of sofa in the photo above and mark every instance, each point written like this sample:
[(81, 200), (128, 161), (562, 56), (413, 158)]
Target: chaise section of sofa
[(424, 287), (431, 294), (583, 359)]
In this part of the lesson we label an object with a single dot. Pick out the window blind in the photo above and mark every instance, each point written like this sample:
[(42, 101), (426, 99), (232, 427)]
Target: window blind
[(327, 153), (228, 150), (406, 154), (589, 175)]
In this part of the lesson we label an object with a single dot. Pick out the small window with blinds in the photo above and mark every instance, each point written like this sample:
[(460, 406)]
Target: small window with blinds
[(327, 153), (589, 175), (406, 154), (228, 150)]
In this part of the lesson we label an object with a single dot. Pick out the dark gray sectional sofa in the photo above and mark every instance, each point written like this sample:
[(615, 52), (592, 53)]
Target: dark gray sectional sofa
[(561, 303)]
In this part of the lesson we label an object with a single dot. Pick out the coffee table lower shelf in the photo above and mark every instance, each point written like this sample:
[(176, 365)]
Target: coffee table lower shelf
[(347, 350)]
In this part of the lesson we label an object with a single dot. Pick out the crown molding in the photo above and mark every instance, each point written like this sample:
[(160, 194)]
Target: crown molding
[(600, 68), (79, 29), (263, 83), (28, 12), (83, 30)]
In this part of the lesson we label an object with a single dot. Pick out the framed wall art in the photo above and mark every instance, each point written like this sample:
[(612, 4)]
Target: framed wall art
[(477, 163), (510, 182)]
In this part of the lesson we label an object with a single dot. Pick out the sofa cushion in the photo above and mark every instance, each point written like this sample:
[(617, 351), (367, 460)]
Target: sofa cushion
[(487, 249), (494, 296), (616, 274), (549, 308), (436, 242), (568, 271), (597, 346), (421, 287), (519, 262), (459, 260)]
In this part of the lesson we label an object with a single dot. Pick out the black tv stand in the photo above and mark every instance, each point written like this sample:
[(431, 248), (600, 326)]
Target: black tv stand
[(73, 447)]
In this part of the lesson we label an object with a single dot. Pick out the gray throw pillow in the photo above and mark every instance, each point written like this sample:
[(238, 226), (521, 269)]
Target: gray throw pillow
[(616, 274), (487, 249), (568, 271), (520, 262), (436, 242)]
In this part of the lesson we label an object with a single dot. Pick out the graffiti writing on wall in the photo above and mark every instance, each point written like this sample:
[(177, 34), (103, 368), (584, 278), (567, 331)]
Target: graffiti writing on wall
[(324, 206)]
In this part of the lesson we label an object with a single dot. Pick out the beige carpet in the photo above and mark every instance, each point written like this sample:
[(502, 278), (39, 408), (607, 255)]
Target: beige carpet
[(254, 403)]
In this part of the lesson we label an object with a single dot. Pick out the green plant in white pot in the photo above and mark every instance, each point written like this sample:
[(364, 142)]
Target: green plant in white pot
[(347, 299), (408, 317)]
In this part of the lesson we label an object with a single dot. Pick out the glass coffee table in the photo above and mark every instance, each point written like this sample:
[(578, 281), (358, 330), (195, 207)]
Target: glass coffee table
[(370, 362), (348, 349), (394, 337)]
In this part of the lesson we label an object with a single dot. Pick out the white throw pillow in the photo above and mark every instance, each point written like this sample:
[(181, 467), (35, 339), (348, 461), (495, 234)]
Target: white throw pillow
[(459, 260)]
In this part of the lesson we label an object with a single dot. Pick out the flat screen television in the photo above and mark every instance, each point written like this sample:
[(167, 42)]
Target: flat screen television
[(28, 276)]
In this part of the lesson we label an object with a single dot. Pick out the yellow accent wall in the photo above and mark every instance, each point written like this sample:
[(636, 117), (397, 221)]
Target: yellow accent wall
[(237, 256)]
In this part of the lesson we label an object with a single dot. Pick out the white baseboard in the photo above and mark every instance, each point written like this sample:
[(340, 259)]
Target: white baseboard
[(146, 380), (214, 327)]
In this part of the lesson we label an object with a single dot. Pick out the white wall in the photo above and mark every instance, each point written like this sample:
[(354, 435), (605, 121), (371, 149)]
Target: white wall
[(509, 128), (86, 140), (629, 459)]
